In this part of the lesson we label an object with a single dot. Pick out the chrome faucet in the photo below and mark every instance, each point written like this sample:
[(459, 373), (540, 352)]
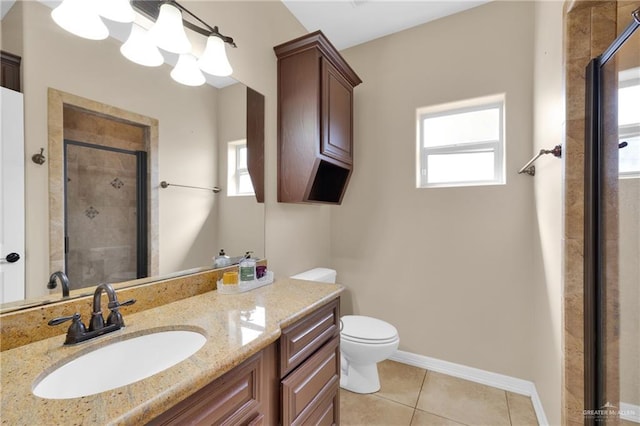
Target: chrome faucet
[(77, 331), (64, 280)]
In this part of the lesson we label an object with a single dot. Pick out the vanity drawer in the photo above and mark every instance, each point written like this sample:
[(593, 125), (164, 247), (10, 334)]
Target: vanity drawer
[(327, 412), (300, 340), (233, 399), (309, 394)]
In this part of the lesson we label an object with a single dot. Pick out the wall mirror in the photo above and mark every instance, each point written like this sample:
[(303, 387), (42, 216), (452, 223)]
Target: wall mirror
[(197, 129)]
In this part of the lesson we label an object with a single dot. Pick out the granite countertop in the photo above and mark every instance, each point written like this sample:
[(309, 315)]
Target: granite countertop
[(236, 326)]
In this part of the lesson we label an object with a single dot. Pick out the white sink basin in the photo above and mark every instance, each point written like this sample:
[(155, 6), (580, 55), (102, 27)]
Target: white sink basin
[(119, 364)]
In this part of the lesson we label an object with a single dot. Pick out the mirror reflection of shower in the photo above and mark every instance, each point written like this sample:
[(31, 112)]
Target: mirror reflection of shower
[(105, 200)]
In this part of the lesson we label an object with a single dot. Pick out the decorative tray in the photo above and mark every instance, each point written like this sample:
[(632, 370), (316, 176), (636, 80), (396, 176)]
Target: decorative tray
[(243, 286)]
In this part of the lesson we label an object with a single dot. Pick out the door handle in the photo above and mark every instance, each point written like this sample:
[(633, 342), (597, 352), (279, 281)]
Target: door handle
[(12, 257)]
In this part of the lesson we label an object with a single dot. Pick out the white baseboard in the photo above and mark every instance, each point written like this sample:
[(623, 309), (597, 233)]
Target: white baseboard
[(630, 412), (500, 381)]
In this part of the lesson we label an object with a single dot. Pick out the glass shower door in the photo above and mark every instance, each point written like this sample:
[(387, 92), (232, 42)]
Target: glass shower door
[(101, 214), (622, 218), (612, 242)]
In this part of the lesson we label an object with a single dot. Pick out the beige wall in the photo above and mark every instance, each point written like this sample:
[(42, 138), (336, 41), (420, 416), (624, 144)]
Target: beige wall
[(451, 268), (546, 302)]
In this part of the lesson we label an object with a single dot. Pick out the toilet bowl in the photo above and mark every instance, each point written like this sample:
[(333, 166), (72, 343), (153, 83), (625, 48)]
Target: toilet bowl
[(364, 341)]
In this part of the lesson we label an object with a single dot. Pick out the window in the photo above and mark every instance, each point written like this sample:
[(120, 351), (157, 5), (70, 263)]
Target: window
[(239, 181), (461, 143), (629, 123)]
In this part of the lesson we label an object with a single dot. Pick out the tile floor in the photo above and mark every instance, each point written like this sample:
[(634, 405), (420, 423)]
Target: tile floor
[(414, 396)]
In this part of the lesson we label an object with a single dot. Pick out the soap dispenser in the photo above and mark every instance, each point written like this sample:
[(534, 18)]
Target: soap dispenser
[(247, 268), (221, 260)]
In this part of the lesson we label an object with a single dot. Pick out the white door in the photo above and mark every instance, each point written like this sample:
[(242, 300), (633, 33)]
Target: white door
[(11, 196)]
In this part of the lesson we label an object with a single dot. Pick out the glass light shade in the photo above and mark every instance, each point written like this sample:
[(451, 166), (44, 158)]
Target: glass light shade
[(116, 10), (168, 32), (214, 59), (187, 72), (80, 17), (139, 48)]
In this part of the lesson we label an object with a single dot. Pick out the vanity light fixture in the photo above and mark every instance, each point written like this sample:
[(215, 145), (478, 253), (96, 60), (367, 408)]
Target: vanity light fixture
[(141, 49), (187, 72), (80, 17), (167, 33), (214, 59)]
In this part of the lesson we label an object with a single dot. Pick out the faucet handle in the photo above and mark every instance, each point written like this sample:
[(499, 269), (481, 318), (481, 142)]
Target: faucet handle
[(115, 317), (60, 320), (76, 329), (115, 304)]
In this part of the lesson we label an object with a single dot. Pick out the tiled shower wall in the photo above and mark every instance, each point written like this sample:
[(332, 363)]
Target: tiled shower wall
[(101, 198), (590, 26), (101, 193)]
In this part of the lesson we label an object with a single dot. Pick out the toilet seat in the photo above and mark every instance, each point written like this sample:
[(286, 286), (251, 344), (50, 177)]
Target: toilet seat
[(367, 330)]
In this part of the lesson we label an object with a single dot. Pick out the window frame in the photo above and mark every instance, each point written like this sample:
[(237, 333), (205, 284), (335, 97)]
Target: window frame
[(235, 172), (632, 130), (497, 147)]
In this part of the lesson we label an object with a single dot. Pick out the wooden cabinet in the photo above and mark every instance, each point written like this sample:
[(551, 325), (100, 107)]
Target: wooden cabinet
[(247, 395), (293, 381), (315, 120), (10, 71), (310, 368), (310, 391)]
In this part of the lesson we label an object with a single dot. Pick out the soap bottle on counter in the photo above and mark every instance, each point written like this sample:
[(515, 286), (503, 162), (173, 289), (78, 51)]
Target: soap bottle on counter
[(247, 268), (221, 260)]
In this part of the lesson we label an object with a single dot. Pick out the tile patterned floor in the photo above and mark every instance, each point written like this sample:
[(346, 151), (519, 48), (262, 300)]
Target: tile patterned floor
[(413, 396)]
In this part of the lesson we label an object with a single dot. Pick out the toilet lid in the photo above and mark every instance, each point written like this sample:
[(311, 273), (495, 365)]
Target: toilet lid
[(359, 328)]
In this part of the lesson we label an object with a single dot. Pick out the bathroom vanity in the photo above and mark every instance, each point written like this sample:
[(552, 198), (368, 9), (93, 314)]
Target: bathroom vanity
[(305, 361), (271, 356)]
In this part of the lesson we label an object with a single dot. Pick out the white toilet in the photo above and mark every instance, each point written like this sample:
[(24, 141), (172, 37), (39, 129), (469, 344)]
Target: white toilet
[(364, 341)]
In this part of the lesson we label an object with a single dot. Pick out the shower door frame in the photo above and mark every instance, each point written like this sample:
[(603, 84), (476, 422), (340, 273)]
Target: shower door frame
[(594, 231), (142, 242)]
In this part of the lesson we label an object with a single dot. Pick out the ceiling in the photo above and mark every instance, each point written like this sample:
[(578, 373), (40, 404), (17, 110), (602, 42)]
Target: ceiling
[(350, 22)]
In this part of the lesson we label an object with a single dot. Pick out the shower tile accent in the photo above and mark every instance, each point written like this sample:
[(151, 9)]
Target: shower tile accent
[(91, 212), (117, 183)]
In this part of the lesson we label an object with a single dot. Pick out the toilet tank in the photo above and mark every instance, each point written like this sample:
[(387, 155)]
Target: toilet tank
[(324, 275)]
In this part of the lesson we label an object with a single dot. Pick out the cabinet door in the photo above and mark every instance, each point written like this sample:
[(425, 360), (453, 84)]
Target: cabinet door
[(309, 394), (236, 398), (337, 115), (10, 71)]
